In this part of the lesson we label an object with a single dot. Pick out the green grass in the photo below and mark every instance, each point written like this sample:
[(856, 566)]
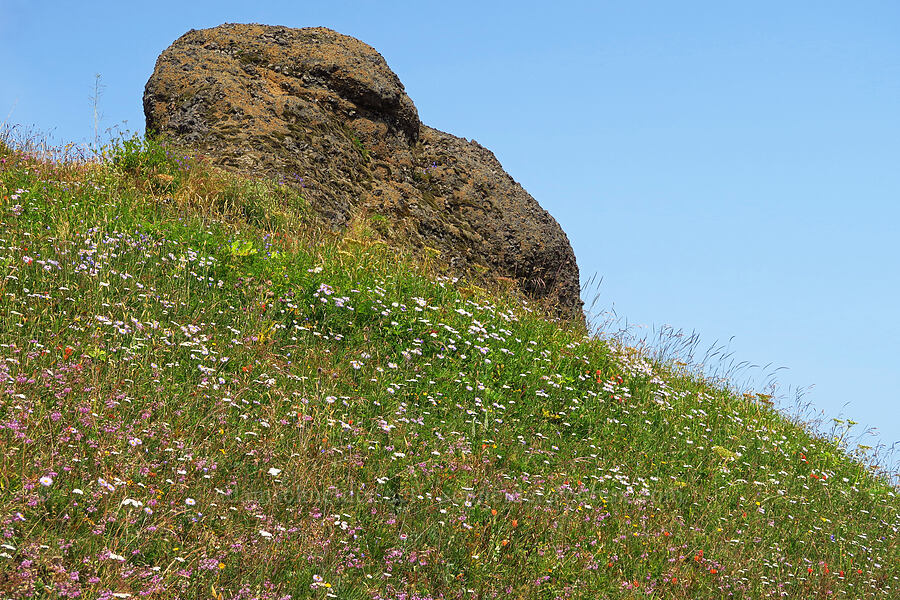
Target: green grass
[(206, 395)]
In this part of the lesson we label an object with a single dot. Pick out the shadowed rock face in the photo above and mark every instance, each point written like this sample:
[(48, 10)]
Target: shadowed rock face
[(324, 111)]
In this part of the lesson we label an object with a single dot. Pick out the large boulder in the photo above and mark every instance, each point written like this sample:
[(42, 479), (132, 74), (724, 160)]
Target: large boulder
[(324, 111)]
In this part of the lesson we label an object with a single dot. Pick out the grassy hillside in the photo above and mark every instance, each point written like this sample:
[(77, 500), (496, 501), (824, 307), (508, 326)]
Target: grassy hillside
[(204, 396)]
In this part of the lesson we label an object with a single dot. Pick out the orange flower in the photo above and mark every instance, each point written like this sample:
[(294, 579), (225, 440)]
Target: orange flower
[(713, 571), (515, 522), (494, 512)]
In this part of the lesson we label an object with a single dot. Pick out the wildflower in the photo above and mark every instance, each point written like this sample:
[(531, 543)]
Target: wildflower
[(725, 454), (274, 472), (46, 481), (190, 501), (265, 533)]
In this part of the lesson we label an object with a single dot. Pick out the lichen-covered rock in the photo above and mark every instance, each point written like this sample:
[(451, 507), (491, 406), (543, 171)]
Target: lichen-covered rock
[(323, 110)]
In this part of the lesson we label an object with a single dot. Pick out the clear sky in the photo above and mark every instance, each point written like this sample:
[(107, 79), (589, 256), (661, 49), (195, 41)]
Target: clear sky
[(727, 168)]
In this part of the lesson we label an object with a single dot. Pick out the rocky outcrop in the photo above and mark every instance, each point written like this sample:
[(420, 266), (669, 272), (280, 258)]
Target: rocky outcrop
[(323, 110)]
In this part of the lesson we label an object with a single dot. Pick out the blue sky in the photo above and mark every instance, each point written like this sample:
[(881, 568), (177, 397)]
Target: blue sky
[(726, 168)]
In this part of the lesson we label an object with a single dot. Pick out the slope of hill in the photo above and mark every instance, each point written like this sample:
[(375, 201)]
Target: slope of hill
[(204, 395)]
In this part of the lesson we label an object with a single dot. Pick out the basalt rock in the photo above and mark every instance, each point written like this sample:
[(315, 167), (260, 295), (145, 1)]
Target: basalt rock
[(324, 111)]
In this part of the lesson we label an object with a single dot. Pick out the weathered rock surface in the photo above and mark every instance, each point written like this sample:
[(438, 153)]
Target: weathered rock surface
[(323, 110)]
